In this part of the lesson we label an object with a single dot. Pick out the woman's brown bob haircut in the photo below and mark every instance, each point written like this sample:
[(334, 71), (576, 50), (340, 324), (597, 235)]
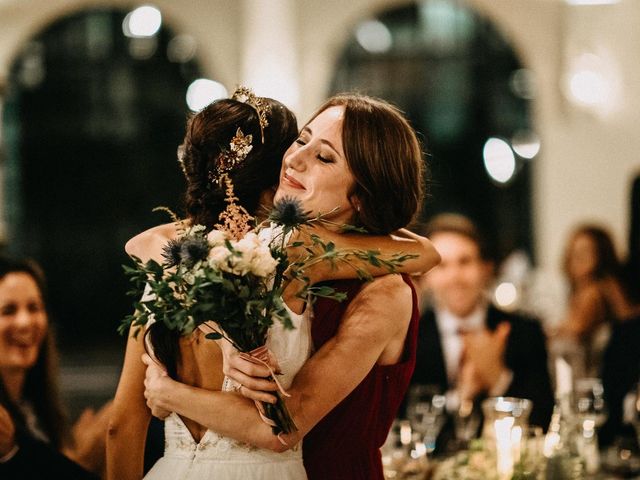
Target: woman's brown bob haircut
[(385, 158)]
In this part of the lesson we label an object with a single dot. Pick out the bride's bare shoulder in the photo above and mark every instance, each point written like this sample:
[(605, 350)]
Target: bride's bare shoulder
[(148, 245)]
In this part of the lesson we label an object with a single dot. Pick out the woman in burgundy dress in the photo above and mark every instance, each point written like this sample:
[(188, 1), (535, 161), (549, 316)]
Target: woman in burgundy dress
[(358, 154)]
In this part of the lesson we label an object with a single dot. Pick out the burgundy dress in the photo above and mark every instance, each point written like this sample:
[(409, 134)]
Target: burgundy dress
[(345, 445)]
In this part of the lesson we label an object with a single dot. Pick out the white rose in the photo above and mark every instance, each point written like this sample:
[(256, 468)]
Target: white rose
[(262, 263), (241, 263), (216, 237), (246, 248), (249, 242), (218, 258)]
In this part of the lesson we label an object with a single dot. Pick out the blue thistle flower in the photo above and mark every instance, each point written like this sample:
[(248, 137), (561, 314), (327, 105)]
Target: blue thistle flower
[(289, 213), (171, 253), (193, 249)]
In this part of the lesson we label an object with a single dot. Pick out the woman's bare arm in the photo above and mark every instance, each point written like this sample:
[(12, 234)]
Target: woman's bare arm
[(130, 417), (148, 245), (586, 311), (369, 333), (423, 254)]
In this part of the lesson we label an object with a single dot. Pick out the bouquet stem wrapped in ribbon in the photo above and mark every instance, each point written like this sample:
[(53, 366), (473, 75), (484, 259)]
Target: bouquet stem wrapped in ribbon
[(276, 415)]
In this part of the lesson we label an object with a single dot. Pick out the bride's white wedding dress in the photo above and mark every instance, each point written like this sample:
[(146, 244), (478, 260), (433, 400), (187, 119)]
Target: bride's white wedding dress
[(218, 457)]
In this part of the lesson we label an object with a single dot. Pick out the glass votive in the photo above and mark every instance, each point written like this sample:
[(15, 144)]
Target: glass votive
[(505, 423), (498, 408)]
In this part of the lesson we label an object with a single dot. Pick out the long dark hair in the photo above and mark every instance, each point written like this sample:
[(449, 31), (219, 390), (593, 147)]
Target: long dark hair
[(208, 133), (41, 384), (607, 262)]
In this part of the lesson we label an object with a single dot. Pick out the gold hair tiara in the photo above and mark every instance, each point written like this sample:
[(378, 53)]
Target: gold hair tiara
[(239, 148), (245, 95)]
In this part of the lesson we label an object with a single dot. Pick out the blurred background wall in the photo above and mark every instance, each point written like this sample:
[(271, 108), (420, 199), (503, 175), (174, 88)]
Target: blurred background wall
[(528, 110)]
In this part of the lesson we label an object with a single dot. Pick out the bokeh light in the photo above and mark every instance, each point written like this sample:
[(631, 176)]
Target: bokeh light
[(374, 36), (506, 294), (499, 160), (526, 144), (142, 22), (202, 92)]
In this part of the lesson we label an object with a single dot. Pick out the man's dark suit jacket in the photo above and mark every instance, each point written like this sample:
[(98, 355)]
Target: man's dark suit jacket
[(620, 375), (525, 356)]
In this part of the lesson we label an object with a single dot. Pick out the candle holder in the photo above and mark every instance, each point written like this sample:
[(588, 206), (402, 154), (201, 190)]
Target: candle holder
[(506, 421)]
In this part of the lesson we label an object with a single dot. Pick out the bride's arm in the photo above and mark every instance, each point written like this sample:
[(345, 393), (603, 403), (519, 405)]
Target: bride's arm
[(368, 327), (126, 435)]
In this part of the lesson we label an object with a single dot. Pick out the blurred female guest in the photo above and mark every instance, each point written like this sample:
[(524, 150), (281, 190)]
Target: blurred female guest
[(35, 441), (598, 296)]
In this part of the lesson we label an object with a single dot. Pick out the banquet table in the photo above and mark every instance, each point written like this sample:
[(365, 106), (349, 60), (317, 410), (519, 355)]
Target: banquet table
[(440, 468)]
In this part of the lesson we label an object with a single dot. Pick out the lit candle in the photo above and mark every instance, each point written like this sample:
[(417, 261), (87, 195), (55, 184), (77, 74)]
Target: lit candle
[(504, 453), (405, 433), (516, 442)]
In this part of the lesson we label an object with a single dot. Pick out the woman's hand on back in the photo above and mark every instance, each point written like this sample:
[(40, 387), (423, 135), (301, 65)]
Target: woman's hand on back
[(157, 384)]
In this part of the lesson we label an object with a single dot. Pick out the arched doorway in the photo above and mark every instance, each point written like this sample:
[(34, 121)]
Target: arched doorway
[(462, 86), (94, 111)]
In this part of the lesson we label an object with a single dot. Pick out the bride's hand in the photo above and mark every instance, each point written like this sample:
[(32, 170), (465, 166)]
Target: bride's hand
[(156, 381), (251, 376)]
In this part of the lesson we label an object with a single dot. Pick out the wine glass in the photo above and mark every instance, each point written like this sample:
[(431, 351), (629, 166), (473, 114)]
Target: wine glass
[(394, 449), (589, 403), (631, 409), (426, 413), (466, 421)]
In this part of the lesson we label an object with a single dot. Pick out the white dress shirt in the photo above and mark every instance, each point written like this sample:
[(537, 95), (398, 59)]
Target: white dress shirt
[(450, 327)]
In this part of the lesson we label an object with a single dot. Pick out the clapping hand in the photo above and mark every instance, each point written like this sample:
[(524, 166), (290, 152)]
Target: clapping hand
[(89, 435), (483, 360), (7, 432)]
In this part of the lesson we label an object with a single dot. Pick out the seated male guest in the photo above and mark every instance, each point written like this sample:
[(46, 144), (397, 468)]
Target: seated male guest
[(466, 346)]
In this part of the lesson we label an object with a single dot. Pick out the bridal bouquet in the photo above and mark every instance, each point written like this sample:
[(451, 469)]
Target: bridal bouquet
[(231, 280)]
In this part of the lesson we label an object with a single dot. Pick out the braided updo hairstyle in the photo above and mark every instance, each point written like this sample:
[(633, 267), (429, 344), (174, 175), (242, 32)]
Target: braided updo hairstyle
[(208, 133)]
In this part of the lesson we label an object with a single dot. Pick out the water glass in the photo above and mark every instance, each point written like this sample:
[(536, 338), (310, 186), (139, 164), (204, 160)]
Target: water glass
[(589, 403), (466, 423), (426, 412)]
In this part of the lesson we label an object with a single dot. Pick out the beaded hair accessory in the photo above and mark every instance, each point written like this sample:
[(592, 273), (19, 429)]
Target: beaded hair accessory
[(239, 148), (240, 144), (245, 95)]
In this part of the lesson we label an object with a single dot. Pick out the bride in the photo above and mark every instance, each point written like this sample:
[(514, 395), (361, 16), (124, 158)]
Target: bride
[(191, 450)]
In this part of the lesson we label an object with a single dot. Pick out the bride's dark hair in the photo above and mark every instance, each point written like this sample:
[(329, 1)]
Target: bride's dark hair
[(208, 133)]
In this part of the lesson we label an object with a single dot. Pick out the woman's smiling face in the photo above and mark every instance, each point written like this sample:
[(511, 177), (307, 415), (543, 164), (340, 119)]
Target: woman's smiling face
[(23, 321), (315, 170)]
